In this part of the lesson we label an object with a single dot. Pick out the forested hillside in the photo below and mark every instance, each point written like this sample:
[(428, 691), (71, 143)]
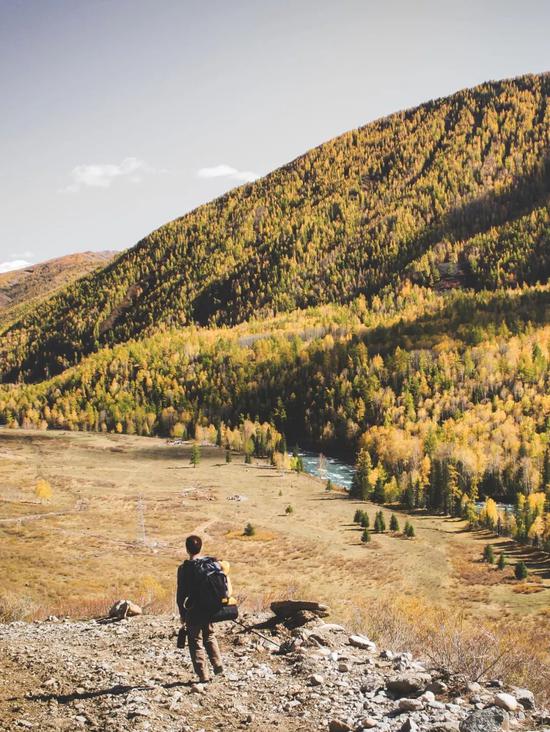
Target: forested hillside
[(452, 192), (448, 393)]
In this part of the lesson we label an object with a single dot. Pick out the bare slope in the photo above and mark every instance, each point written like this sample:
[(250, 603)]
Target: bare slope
[(23, 288), (129, 675)]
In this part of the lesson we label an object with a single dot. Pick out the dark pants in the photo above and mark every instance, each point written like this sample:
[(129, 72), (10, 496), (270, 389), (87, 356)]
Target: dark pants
[(201, 637)]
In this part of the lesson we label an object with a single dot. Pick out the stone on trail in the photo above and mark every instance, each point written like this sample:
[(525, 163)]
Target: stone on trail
[(408, 684), (336, 725), (409, 725), (525, 697), (361, 641), (506, 701), (124, 609), (316, 680), (288, 608), (492, 719), (410, 705)]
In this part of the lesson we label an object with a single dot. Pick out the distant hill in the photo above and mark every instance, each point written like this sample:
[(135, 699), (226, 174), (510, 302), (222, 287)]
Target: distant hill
[(22, 288), (452, 193)]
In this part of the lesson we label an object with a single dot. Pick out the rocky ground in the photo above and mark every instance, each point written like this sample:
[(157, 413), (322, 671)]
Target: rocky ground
[(129, 675)]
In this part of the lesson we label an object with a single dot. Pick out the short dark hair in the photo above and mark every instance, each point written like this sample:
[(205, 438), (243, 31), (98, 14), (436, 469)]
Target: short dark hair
[(193, 544)]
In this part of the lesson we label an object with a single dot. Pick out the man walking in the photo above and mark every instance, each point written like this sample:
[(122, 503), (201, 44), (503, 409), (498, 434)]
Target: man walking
[(194, 616)]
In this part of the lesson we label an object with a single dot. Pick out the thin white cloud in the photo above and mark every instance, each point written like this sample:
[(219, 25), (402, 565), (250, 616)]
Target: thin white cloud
[(226, 171), (13, 264), (102, 175)]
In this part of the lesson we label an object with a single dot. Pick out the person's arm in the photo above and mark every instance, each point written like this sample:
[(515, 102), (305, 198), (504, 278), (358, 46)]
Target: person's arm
[(182, 592)]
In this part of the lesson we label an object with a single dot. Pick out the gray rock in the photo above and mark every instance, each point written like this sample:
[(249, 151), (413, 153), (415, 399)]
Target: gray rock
[(409, 705), (361, 641), (368, 723), (124, 609), (408, 684), (316, 680), (525, 697), (409, 725), (336, 725), (492, 719)]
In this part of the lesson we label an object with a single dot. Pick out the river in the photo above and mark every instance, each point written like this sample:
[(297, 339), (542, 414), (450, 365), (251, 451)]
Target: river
[(341, 473), (327, 468)]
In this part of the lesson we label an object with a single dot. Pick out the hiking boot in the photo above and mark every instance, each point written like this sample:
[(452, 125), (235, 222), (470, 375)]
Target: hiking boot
[(218, 670)]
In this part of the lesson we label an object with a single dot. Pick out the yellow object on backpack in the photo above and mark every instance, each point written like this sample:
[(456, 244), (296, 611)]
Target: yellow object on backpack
[(229, 600)]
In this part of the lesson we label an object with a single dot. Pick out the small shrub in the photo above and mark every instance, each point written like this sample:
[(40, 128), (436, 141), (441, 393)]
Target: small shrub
[(521, 571), (247, 458), (365, 538), (195, 455), (357, 516), (289, 510), (410, 533), (394, 523), (249, 530), (365, 521), (228, 457), (501, 564), (43, 490), (489, 554), (329, 486)]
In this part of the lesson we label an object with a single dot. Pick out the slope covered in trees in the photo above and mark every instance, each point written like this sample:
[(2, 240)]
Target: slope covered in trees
[(458, 182), (445, 395)]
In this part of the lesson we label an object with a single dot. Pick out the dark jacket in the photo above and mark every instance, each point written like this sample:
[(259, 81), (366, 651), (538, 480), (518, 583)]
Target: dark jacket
[(188, 587)]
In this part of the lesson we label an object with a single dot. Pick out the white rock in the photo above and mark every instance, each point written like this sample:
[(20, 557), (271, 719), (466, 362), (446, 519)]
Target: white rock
[(410, 705), (525, 697), (361, 641), (506, 701)]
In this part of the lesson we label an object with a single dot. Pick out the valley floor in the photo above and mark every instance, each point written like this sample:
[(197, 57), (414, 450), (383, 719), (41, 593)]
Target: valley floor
[(122, 506)]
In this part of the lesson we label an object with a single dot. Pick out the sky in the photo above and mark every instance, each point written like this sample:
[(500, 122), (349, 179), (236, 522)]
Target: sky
[(120, 115)]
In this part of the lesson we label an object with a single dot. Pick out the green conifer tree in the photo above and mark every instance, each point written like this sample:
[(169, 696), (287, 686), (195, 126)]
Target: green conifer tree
[(489, 554), (195, 455), (521, 571)]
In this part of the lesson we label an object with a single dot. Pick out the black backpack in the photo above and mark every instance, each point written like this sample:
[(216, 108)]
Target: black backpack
[(212, 584)]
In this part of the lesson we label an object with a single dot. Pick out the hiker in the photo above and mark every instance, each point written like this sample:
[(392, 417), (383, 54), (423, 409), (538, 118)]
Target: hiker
[(196, 608)]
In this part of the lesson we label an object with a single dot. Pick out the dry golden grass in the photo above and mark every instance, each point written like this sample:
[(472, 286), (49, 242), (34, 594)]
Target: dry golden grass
[(259, 535)]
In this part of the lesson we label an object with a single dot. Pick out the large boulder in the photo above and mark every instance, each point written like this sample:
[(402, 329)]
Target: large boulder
[(288, 608), (506, 701), (492, 719), (124, 609), (361, 641), (525, 697)]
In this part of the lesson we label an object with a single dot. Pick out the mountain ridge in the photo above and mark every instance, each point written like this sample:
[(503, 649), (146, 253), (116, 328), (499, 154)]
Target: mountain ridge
[(347, 217)]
